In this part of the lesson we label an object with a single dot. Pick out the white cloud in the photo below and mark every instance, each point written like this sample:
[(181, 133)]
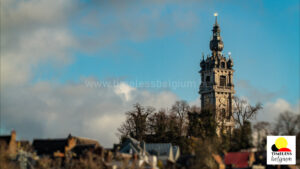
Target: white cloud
[(271, 110), (196, 102), (25, 15), (39, 47), (48, 110), (124, 90), (33, 33)]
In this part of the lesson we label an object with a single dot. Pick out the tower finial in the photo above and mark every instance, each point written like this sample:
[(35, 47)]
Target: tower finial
[(216, 15)]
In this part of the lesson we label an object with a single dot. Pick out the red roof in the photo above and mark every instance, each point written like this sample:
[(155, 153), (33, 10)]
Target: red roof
[(237, 159)]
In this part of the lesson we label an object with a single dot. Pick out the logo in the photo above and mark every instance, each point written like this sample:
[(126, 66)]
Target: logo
[(281, 150), (280, 145)]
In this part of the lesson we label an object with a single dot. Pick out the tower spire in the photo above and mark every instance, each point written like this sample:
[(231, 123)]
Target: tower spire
[(216, 18), (216, 44)]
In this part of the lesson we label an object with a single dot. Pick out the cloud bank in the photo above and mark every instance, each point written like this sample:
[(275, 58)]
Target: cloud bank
[(49, 110)]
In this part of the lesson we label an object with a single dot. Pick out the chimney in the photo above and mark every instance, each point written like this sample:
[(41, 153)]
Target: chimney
[(12, 147), (13, 135)]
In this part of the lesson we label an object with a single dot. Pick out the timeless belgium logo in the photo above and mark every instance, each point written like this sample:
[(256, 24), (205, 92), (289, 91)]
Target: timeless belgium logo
[(281, 150)]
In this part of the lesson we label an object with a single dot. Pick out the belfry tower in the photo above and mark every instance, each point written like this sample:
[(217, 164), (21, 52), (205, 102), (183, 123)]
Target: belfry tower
[(217, 88)]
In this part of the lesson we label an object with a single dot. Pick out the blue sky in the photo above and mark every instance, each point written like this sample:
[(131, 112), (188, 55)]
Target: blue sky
[(263, 37), (51, 48)]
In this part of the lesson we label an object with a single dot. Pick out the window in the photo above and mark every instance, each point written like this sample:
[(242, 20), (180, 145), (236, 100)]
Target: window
[(207, 78), (222, 64), (222, 80)]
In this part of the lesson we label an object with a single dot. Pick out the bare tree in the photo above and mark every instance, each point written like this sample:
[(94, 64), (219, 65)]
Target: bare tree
[(243, 111), (181, 108), (136, 123), (287, 124), (158, 123)]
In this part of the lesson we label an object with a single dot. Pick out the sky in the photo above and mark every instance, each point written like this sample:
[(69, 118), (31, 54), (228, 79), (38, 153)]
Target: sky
[(76, 66)]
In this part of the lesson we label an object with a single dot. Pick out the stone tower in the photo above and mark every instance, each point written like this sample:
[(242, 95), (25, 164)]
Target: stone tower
[(217, 88)]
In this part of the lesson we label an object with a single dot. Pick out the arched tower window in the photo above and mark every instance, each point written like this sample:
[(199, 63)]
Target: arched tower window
[(222, 64), (222, 80)]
